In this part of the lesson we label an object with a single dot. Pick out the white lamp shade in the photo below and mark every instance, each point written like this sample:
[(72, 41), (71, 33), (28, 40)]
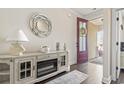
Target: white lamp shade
[(17, 36)]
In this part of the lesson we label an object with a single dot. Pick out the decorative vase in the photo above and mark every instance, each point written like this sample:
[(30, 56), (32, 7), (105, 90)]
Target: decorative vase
[(45, 49), (64, 47)]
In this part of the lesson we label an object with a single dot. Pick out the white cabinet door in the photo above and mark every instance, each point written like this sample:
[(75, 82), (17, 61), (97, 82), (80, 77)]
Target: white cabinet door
[(63, 61), (24, 70), (119, 29), (4, 71)]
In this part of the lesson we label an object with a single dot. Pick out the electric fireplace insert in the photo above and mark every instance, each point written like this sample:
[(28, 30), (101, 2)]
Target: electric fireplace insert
[(46, 67)]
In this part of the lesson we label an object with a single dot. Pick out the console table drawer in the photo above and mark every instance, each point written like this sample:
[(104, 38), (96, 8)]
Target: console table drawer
[(46, 56)]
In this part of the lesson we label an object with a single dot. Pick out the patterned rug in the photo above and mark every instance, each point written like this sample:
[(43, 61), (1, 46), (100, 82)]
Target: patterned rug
[(73, 77)]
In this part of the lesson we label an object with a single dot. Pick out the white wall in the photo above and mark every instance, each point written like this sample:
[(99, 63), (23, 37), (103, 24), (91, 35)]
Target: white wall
[(63, 29), (92, 40)]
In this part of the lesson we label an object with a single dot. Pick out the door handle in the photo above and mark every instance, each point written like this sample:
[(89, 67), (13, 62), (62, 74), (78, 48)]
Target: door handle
[(77, 44)]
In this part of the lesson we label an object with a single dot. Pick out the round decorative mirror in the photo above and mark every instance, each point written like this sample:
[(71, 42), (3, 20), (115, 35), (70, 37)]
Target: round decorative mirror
[(40, 25)]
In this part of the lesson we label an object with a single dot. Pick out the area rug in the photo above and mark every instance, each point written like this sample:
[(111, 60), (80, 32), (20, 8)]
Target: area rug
[(73, 77)]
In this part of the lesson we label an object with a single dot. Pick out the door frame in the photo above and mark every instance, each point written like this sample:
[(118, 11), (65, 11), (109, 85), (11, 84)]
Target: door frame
[(84, 20), (113, 44)]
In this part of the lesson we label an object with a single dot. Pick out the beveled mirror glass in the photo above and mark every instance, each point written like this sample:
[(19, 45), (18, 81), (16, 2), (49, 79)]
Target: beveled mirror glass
[(40, 25)]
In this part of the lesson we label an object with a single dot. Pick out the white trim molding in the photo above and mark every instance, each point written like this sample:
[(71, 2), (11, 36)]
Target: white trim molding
[(94, 15), (107, 46), (113, 69), (75, 13), (106, 80)]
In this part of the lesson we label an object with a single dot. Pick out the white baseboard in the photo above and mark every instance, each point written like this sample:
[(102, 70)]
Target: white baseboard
[(106, 80), (91, 59), (113, 78)]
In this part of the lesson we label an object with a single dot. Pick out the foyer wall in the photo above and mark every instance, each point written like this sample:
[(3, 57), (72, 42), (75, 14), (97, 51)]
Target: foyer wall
[(92, 40), (63, 29)]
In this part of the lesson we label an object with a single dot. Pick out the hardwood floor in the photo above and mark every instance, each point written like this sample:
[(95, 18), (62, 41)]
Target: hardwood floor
[(94, 72)]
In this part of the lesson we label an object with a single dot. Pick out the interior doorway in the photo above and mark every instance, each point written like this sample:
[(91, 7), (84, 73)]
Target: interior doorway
[(100, 43), (95, 41), (90, 47)]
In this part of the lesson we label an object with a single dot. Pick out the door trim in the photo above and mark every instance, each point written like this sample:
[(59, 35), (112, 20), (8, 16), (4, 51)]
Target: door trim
[(113, 69)]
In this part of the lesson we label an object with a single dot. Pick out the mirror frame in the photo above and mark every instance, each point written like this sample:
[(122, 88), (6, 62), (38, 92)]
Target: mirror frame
[(34, 28)]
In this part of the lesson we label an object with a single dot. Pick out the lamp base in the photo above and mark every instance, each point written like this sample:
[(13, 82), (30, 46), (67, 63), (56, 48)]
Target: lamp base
[(17, 49)]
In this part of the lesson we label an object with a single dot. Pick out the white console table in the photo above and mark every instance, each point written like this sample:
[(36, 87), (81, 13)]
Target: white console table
[(32, 67)]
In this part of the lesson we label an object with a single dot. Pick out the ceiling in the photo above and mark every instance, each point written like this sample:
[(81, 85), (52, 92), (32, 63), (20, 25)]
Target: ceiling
[(92, 13), (98, 21), (86, 11)]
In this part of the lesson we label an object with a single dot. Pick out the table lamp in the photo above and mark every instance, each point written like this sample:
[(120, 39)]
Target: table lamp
[(17, 38)]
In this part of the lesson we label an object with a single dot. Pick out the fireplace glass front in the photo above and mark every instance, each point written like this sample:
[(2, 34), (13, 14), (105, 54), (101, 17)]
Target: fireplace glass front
[(46, 67)]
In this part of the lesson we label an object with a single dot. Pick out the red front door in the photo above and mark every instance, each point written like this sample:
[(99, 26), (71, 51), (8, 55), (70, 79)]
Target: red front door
[(82, 52)]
